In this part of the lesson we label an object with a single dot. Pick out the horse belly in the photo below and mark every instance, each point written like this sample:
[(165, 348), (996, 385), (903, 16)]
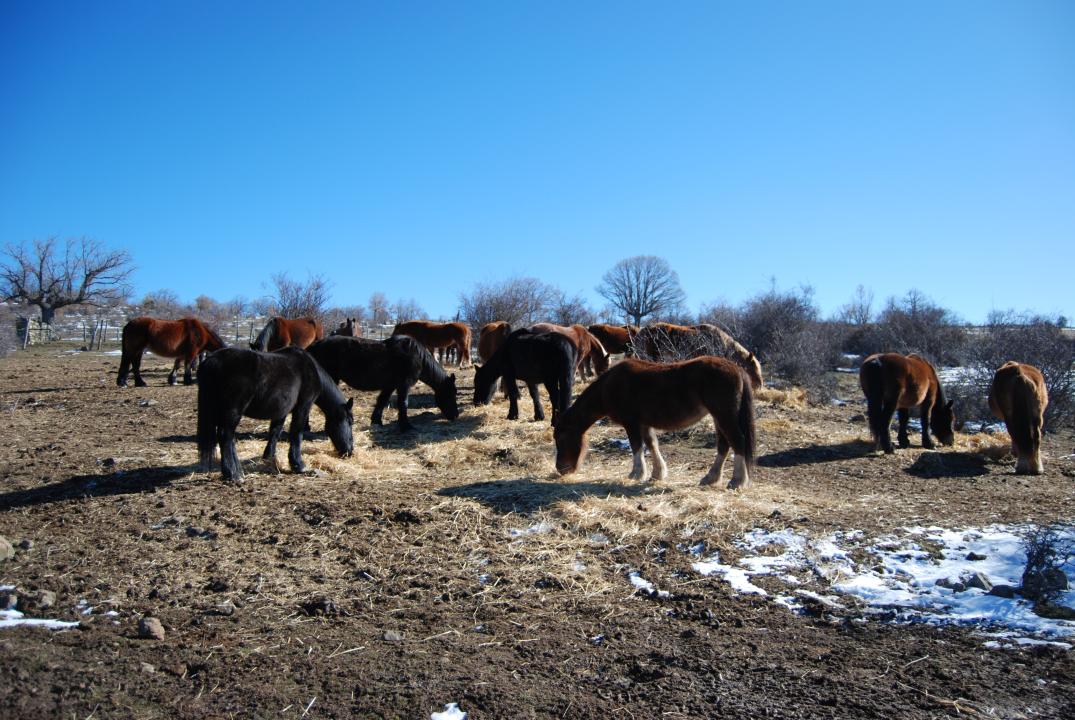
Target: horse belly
[(272, 407), (912, 395)]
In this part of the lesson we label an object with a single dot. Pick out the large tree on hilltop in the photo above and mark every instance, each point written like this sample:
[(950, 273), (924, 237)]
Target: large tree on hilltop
[(642, 286)]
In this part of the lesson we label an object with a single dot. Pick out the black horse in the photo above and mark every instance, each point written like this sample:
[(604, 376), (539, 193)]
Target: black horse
[(544, 357), (394, 364), (236, 382)]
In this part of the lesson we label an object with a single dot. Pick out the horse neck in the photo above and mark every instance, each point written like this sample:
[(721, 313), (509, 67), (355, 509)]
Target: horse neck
[(432, 374), (588, 407), (330, 399), (265, 336)]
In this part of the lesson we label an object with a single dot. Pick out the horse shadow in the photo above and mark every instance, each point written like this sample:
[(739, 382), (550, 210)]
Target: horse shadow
[(429, 427), (933, 465), (814, 454), (528, 494), (120, 482)]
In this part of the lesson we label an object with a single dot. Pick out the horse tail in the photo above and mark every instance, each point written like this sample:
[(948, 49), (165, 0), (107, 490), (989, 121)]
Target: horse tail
[(266, 336), (746, 424), (567, 377), (207, 425), (872, 380), (1022, 425), (214, 339), (126, 352)]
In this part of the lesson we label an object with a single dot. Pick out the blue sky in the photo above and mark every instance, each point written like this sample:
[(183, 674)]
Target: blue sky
[(416, 148)]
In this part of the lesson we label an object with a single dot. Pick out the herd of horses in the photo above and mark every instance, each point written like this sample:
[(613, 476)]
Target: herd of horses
[(669, 378)]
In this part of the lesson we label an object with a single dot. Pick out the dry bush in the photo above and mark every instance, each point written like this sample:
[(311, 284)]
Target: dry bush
[(914, 324)]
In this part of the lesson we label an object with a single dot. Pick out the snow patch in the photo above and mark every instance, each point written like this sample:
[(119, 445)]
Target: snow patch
[(451, 712), (14, 618)]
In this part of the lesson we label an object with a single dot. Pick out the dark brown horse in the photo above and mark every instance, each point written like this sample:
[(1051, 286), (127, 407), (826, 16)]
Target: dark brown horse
[(348, 328), (895, 383), (280, 332), (591, 358), (439, 335), (615, 338), (665, 341), (643, 396), (1018, 397), (181, 339)]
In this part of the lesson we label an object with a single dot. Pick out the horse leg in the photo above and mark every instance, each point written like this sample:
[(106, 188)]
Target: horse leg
[(124, 369), (887, 411), (660, 469), (927, 441), (901, 435), (136, 366), (740, 474), (188, 362), (401, 400), (380, 405), (535, 395), (513, 395), (638, 462), (276, 427), (175, 371), (230, 467), (713, 476), (299, 417)]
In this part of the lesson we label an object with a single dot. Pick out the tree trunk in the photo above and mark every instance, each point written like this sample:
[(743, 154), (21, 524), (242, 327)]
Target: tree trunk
[(47, 314)]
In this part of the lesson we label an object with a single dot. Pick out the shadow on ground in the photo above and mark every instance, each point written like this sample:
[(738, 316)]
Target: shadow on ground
[(814, 454), (529, 493), (429, 427), (948, 465), (83, 486)]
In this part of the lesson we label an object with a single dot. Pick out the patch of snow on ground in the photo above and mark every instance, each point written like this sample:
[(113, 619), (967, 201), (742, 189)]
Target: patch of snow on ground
[(646, 586), (14, 618), (541, 527), (451, 712), (899, 580)]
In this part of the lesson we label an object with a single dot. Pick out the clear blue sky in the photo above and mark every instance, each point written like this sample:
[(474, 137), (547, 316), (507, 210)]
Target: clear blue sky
[(419, 147)]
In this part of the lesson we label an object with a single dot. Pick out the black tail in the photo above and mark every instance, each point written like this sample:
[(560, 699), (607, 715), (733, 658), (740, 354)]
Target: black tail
[(125, 357), (746, 424), (207, 426), (266, 336), (872, 379), (1023, 425)]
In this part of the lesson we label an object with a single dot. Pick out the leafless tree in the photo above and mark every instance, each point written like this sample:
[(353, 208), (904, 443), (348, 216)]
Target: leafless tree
[(859, 310), (721, 314), (379, 309), (520, 301), (403, 310), (293, 299), (642, 286), (161, 303), (50, 274), (570, 310)]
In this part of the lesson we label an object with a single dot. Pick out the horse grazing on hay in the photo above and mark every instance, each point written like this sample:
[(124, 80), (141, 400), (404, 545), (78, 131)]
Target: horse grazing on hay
[(280, 332), (547, 358), (1018, 397), (183, 340), (435, 335), (643, 396), (664, 342), (392, 365), (895, 383), (348, 328), (236, 383), (591, 358), (615, 338)]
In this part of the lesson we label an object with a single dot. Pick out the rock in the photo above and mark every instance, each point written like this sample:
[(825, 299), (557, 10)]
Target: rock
[(1044, 583), (8, 600), (857, 418), (974, 557), (320, 605), (6, 550), (26, 544), (1004, 591), (393, 636), (1053, 611), (978, 580), (42, 600), (224, 609), (147, 668), (150, 628), (147, 403), (952, 584), (108, 462)]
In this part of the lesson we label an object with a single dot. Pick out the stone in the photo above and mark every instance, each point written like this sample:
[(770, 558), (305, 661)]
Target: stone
[(1004, 591), (147, 668), (8, 600), (978, 580), (6, 550), (393, 636), (147, 403), (974, 557), (1054, 611), (1044, 583), (150, 628), (952, 584)]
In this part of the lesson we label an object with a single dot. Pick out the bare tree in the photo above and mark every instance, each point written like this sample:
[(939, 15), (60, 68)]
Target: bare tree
[(859, 310), (519, 301), (378, 305), (571, 310), (294, 299), (162, 303), (642, 286), (403, 310), (52, 275)]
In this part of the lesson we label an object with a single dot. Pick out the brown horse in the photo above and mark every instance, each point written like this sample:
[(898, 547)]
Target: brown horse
[(348, 328), (666, 341), (615, 338), (643, 396), (439, 335), (1018, 397), (181, 339), (592, 358), (280, 332), (490, 337), (894, 382)]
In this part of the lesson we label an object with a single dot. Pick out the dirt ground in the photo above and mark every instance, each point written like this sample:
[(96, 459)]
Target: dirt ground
[(453, 565)]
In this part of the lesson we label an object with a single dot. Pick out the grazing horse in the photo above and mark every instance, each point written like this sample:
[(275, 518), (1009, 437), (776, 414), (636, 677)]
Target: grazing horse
[(615, 338), (894, 382), (666, 341), (280, 332), (490, 337), (1018, 397), (591, 354), (642, 396), (183, 340), (438, 335), (236, 383), (394, 364), (348, 328), (547, 358)]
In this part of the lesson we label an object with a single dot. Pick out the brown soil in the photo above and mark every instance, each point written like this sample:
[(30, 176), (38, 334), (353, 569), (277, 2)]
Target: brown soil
[(390, 583)]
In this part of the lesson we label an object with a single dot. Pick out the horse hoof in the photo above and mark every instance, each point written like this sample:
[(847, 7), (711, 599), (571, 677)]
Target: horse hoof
[(140, 383)]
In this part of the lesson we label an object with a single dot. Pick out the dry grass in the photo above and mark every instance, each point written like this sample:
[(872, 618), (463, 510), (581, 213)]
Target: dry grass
[(794, 397)]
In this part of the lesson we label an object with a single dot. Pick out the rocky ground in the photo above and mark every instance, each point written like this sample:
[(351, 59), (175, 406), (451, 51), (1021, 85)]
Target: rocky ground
[(454, 565)]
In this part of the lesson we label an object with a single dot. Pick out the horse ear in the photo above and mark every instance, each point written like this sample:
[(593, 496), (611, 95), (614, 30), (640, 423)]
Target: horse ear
[(350, 403)]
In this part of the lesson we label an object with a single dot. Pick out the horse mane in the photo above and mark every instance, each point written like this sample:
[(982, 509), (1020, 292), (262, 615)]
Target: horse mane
[(432, 374), (261, 342), (330, 391)]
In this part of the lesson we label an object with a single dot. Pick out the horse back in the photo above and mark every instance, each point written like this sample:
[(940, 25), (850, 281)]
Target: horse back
[(906, 380), (1018, 390)]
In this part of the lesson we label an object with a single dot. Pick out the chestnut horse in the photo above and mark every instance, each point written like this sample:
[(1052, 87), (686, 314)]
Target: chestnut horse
[(895, 383), (643, 396), (348, 328), (490, 337), (280, 332), (666, 341), (438, 335), (181, 339), (615, 338), (591, 357), (1018, 397)]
